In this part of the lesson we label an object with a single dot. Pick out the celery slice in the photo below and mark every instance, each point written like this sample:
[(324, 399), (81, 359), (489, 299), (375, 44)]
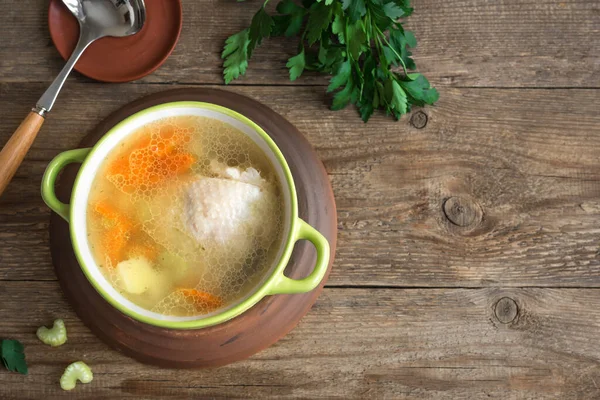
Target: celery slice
[(76, 371), (55, 336)]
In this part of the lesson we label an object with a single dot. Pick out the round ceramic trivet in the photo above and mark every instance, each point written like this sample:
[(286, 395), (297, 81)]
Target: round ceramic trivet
[(120, 59), (239, 338)]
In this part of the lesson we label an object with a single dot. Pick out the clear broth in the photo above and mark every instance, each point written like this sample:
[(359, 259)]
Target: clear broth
[(158, 198)]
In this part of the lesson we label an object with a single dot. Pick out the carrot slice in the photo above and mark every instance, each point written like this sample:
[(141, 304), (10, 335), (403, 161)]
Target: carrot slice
[(183, 162), (119, 167), (116, 236), (116, 218), (204, 300), (114, 241), (151, 162), (105, 209)]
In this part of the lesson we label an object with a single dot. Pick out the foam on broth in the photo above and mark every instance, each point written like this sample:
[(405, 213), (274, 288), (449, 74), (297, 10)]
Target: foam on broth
[(178, 220)]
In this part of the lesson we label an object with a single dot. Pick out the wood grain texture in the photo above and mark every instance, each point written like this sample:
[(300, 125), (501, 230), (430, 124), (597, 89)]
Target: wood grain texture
[(497, 189), (354, 344), (15, 149), (527, 163), (512, 43)]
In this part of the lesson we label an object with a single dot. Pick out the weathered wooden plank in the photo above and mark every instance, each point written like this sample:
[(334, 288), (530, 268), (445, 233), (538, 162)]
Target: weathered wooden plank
[(354, 344), (512, 43), (522, 165)]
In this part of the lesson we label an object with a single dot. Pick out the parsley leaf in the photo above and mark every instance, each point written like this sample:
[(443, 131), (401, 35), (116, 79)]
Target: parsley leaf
[(390, 56), (335, 56), (13, 357), (235, 55), (356, 9), (329, 57), (405, 6), (350, 91), (318, 21), (338, 26), (420, 90), (395, 96), (384, 14), (280, 25), (296, 65), (293, 16), (400, 41), (343, 97), (341, 77), (392, 11), (260, 28), (355, 39), (366, 103)]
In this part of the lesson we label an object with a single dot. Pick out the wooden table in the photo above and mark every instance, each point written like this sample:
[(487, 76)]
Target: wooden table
[(468, 262)]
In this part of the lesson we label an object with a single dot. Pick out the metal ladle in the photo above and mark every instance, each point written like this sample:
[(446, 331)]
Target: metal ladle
[(97, 19)]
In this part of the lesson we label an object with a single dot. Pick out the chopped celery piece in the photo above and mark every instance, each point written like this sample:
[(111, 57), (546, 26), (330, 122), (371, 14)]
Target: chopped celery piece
[(55, 336), (76, 371)]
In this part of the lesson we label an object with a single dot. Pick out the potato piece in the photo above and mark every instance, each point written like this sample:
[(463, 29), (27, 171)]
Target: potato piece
[(137, 275), (174, 265)]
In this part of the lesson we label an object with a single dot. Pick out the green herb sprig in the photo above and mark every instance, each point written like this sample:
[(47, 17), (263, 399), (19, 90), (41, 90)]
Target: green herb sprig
[(13, 356), (360, 43)]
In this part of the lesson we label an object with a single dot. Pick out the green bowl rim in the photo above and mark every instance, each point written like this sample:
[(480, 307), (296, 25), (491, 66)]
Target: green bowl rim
[(249, 301)]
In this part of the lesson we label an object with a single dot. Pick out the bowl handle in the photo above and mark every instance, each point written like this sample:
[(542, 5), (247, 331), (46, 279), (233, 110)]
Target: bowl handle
[(285, 285), (49, 179)]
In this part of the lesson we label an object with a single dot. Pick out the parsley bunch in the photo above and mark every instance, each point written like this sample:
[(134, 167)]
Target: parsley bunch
[(359, 42)]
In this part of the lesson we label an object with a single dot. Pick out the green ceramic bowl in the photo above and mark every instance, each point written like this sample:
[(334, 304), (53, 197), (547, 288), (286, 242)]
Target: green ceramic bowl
[(274, 282)]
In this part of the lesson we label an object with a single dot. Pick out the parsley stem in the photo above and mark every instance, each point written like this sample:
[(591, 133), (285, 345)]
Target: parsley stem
[(368, 23), (395, 52), (362, 85), (382, 56)]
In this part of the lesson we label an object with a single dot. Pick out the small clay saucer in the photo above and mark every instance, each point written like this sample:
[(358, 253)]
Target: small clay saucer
[(120, 59)]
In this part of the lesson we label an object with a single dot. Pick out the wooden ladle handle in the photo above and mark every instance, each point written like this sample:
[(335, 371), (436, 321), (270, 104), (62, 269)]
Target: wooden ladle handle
[(17, 146)]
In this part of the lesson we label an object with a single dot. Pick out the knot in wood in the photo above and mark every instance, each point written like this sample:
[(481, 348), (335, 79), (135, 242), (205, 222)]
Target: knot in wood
[(419, 119), (506, 310), (462, 211)]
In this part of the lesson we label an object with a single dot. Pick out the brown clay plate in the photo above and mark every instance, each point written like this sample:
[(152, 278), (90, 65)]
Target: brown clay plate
[(120, 59), (243, 336)]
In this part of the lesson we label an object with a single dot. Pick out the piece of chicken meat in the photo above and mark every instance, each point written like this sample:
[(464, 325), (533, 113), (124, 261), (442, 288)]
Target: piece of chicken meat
[(229, 209)]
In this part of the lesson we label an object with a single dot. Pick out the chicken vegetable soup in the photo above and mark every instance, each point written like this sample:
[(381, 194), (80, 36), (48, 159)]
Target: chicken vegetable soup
[(185, 216)]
